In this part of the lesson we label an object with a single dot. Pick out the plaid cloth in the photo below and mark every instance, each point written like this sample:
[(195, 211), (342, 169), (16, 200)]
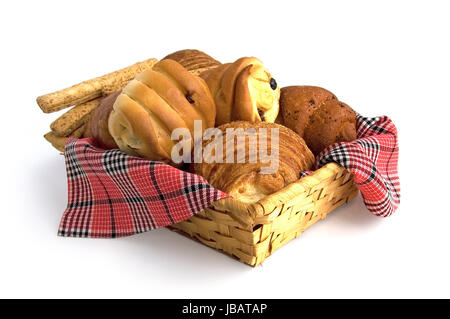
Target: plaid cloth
[(372, 159), (112, 194)]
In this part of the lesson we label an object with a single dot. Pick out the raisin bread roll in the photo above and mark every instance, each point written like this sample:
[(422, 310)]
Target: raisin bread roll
[(317, 115), (243, 90), (155, 103), (245, 181)]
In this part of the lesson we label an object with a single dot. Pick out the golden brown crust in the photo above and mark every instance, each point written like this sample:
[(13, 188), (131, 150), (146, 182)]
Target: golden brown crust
[(155, 103), (193, 60), (59, 142), (228, 82), (169, 91), (213, 79), (74, 118), (317, 115), (297, 103), (201, 70), (97, 126), (332, 122), (244, 181), (91, 89), (243, 104), (135, 131), (243, 90), (193, 88), (213, 76), (279, 119)]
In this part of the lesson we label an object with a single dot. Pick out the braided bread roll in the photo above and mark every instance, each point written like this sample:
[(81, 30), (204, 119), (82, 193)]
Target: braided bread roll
[(155, 103), (243, 90), (245, 181)]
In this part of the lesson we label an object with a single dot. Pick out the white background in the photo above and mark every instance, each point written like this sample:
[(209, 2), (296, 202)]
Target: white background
[(390, 58)]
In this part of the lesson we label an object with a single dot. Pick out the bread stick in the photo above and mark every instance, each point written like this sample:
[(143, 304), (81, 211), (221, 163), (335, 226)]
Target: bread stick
[(75, 117), (91, 89), (59, 142), (117, 80), (110, 88)]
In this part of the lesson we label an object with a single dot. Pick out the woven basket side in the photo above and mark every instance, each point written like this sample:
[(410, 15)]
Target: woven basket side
[(212, 228), (296, 217), (328, 176), (253, 236)]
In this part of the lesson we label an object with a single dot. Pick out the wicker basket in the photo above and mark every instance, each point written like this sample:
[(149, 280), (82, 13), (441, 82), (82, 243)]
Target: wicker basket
[(252, 232)]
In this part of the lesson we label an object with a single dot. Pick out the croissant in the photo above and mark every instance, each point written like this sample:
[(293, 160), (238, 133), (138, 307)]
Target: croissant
[(243, 90), (317, 115), (155, 103), (245, 180)]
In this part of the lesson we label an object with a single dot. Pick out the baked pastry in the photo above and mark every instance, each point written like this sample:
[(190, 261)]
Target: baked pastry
[(97, 126), (332, 122), (91, 89), (194, 61), (245, 180), (243, 90), (316, 115), (155, 103), (297, 103)]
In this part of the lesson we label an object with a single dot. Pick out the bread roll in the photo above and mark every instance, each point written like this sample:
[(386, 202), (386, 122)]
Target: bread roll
[(332, 122), (194, 61), (155, 103), (97, 126), (297, 103), (243, 90), (245, 181), (316, 115)]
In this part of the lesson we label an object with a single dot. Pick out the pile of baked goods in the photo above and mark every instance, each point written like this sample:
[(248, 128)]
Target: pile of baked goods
[(138, 109)]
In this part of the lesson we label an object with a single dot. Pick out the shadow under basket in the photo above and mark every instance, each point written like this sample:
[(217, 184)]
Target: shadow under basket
[(252, 232)]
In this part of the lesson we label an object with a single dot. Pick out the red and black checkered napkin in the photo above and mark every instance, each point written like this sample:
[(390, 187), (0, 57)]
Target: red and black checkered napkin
[(372, 159), (112, 194)]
